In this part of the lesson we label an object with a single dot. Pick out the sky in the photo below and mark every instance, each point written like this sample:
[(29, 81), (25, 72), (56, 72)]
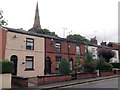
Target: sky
[(88, 18)]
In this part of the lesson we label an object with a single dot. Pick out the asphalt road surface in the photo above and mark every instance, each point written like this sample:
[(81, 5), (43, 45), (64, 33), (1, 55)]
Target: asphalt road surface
[(107, 84)]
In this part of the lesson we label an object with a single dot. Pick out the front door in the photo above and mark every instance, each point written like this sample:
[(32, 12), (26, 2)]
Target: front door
[(14, 59), (48, 66)]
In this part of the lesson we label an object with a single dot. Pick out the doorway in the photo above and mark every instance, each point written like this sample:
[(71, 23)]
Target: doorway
[(48, 65), (14, 58)]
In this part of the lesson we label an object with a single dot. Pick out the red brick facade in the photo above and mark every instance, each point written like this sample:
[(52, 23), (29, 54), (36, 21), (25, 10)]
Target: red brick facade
[(3, 34), (68, 51)]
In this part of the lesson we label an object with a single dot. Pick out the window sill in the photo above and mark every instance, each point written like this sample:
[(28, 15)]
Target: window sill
[(29, 69)]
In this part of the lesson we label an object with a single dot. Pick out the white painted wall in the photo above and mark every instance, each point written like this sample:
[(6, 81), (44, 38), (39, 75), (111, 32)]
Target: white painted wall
[(5, 81), (93, 50), (116, 57), (17, 46)]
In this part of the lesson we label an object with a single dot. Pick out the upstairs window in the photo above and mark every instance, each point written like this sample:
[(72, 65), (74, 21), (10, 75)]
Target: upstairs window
[(77, 50), (30, 44), (58, 46), (93, 52)]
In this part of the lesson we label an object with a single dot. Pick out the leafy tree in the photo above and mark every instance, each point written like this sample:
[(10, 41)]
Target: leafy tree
[(103, 65), (106, 53), (2, 20), (79, 63), (89, 65), (78, 37), (64, 67), (46, 32)]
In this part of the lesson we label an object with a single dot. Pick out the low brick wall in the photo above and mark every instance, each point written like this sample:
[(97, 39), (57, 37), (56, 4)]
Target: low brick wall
[(20, 81), (118, 71), (52, 78), (106, 73), (84, 75)]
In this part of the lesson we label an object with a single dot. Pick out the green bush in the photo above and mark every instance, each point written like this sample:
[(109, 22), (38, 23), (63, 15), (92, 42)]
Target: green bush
[(6, 66), (89, 67), (116, 65), (103, 65), (64, 67)]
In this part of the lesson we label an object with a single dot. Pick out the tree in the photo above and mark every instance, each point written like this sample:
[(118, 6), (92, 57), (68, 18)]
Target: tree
[(78, 37), (89, 65), (106, 53), (103, 65), (2, 20), (46, 32), (79, 63), (64, 67)]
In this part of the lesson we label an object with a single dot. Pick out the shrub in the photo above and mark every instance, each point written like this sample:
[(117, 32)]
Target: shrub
[(64, 67), (89, 67), (103, 65), (6, 66), (116, 65)]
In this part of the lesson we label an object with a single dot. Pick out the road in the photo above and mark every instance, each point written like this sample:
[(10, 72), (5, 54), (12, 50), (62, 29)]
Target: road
[(107, 83)]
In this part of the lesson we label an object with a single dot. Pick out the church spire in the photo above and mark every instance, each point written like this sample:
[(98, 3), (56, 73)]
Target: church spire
[(37, 18)]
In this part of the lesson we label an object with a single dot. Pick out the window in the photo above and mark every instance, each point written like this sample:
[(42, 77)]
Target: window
[(29, 63), (71, 64), (58, 46), (93, 52), (30, 44), (58, 59), (77, 50)]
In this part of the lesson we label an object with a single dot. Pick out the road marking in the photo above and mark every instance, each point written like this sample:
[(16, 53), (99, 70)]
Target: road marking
[(87, 83)]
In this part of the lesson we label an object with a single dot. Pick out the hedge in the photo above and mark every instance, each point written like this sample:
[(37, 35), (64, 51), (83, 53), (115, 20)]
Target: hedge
[(6, 66), (116, 65)]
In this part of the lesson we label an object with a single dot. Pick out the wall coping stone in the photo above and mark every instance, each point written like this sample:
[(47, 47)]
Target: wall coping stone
[(18, 77), (53, 75), (87, 73)]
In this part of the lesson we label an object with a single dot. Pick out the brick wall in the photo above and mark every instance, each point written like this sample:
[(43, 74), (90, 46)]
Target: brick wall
[(68, 51), (3, 34), (106, 73), (52, 78), (86, 75)]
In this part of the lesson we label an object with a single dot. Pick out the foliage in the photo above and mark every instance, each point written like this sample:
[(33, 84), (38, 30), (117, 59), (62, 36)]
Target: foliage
[(115, 65), (103, 65), (90, 65), (2, 20), (79, 64), (46, 32), (78, 37), (64, 67), (106, 53), (88, 58), (6, 66)]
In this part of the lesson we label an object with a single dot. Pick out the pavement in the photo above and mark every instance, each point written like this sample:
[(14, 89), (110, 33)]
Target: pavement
[(68, 83)]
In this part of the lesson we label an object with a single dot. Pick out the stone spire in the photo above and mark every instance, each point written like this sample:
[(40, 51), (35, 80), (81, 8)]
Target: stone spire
[(36, 20)]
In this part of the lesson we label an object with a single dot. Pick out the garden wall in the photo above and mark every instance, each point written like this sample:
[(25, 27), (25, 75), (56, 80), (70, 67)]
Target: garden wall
[(84, 75), (52, 78), (106, 73), (20, 81)]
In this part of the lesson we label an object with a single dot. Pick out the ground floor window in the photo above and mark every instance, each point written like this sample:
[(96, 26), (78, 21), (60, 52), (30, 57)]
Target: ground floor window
[(29, 65), (58, 59)]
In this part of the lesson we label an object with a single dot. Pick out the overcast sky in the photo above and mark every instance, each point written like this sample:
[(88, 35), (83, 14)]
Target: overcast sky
[(88, 18)]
